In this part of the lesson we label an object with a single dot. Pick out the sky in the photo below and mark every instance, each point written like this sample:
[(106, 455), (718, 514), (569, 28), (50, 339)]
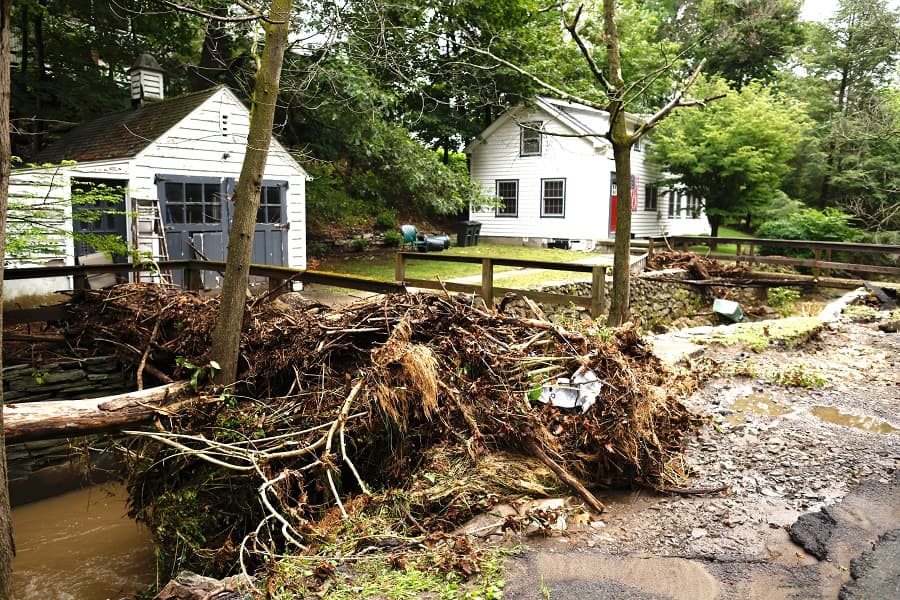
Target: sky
[(821, 10)]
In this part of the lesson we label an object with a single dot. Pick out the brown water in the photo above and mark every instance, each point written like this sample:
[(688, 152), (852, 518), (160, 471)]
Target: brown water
[(831, 414), (756, 403), (80, 546)]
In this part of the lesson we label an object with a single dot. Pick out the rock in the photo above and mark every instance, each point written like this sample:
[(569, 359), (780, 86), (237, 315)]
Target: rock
[(190, 586)]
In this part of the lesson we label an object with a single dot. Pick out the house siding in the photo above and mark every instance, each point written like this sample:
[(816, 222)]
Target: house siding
[(586, 163), (572, 159), (196, 147)]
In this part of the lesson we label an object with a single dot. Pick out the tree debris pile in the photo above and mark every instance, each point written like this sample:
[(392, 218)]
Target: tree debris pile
[(417, 405), (698, 266)]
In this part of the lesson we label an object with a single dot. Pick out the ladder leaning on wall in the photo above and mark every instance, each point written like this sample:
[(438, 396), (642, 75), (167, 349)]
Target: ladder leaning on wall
[(150, 240)]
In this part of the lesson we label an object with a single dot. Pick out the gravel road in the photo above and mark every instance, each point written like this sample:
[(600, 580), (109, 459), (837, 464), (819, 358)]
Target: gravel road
[(782, 452)]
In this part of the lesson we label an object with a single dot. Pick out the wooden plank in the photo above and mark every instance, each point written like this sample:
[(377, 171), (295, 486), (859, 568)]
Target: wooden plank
[(30, 315), (808, 262), (598, 291), (841, 246), (487, 283), (468, 288)]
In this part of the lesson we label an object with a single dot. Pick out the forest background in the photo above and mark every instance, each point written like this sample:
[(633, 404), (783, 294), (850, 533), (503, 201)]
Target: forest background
[(378, 97)]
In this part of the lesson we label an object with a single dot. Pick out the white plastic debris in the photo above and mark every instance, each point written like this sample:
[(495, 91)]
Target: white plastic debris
[(579, 391)]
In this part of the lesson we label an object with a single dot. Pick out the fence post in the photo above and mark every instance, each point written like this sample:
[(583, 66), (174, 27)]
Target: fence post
[(192, 279), (399, 267), (817, 255), (650, 247), (487, 282), (827, 258), (598, 291), (739, 251)]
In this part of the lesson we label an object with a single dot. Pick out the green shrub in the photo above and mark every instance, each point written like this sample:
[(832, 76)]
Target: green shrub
[(359, 244), (783, 300), (385, 220), (392, 238), (830, 225)]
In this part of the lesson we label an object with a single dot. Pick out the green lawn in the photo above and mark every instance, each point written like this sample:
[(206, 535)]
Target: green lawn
[(380, 265), (725, 232)]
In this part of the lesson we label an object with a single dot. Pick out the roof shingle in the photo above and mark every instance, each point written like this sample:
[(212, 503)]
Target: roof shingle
[(122, 134)]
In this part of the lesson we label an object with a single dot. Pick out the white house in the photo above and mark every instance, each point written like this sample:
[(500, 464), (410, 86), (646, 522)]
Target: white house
[(178, 161), (554, 176)]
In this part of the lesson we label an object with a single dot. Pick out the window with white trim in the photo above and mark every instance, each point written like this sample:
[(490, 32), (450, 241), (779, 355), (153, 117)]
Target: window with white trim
[(508, 194), (530, 138), (671, 204), (553, 197)]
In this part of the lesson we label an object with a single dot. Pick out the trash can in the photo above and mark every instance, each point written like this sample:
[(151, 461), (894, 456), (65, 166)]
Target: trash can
[(434, 243), (467, 233)]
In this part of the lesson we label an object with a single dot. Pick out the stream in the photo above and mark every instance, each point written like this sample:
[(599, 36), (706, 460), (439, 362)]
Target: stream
[(80, 545)]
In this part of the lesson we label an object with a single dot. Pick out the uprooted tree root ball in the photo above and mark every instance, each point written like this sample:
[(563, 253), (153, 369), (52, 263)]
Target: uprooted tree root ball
[(420, 407)]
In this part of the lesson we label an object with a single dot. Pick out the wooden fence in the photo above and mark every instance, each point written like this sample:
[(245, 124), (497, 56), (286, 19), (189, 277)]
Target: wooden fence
[(595, 303), (821, 263)]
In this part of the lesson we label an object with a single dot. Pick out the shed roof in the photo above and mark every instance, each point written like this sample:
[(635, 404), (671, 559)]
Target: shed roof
[(125, 133)]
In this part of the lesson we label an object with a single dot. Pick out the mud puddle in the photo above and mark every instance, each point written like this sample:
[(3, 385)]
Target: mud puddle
[(833, 415)]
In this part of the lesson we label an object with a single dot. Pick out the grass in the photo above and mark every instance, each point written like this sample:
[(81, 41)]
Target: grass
[(726, 232), (381, 265), (789, 332), (377, 577)]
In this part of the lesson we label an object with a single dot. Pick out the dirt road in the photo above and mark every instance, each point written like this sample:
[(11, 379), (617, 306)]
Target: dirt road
[(831, 452)]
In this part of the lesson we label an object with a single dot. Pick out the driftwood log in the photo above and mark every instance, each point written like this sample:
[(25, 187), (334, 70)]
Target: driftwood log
[(62, 418)]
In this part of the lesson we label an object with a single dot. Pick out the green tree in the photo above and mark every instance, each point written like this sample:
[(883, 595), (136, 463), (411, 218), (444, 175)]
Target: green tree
[(851, 61), (72, 56), (734, 153), (741, 41)]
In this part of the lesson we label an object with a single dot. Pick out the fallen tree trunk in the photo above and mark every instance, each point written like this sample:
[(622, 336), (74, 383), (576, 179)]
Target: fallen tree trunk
[(63, 418)]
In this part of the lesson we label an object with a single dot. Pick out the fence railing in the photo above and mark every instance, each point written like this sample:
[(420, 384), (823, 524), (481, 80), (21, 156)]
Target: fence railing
[(595, 303), (821, 263)]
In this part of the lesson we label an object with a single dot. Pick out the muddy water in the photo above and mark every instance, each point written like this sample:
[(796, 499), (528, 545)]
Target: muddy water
[(756, 403), (80, 546), (829, 414)]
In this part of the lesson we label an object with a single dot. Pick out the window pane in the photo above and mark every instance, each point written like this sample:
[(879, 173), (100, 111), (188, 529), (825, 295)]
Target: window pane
[(553, 197), (274, 214), (213, 213), (175, 213), (194, 213), (193, 192), (174, 193), (508, 192), (530, 140)]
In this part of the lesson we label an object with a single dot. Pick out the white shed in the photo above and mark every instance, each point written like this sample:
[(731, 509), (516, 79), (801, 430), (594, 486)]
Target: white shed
[(179, 158), (554, 176)]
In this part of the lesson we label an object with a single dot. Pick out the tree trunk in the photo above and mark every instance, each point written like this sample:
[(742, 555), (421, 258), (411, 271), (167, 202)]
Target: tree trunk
[(7, 546), (226, 337), (714, 222), (621, 143), (63, 418), (621, 288), (214, 56)]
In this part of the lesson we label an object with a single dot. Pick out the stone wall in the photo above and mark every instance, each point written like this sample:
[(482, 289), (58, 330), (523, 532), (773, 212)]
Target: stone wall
[(655, 300), (65, 380), (45, 468)]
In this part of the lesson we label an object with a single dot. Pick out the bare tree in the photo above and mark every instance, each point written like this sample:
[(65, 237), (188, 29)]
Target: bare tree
[(618, 94), (226, 337), (7, 547)]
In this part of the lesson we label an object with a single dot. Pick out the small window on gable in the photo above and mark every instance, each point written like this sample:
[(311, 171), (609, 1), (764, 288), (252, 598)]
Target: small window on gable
[(508, 194), (638, 144), (553, 197), (530, 138), (651, 197)]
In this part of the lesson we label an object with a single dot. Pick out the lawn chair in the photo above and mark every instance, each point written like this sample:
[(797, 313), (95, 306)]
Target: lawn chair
[(411, 238)]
